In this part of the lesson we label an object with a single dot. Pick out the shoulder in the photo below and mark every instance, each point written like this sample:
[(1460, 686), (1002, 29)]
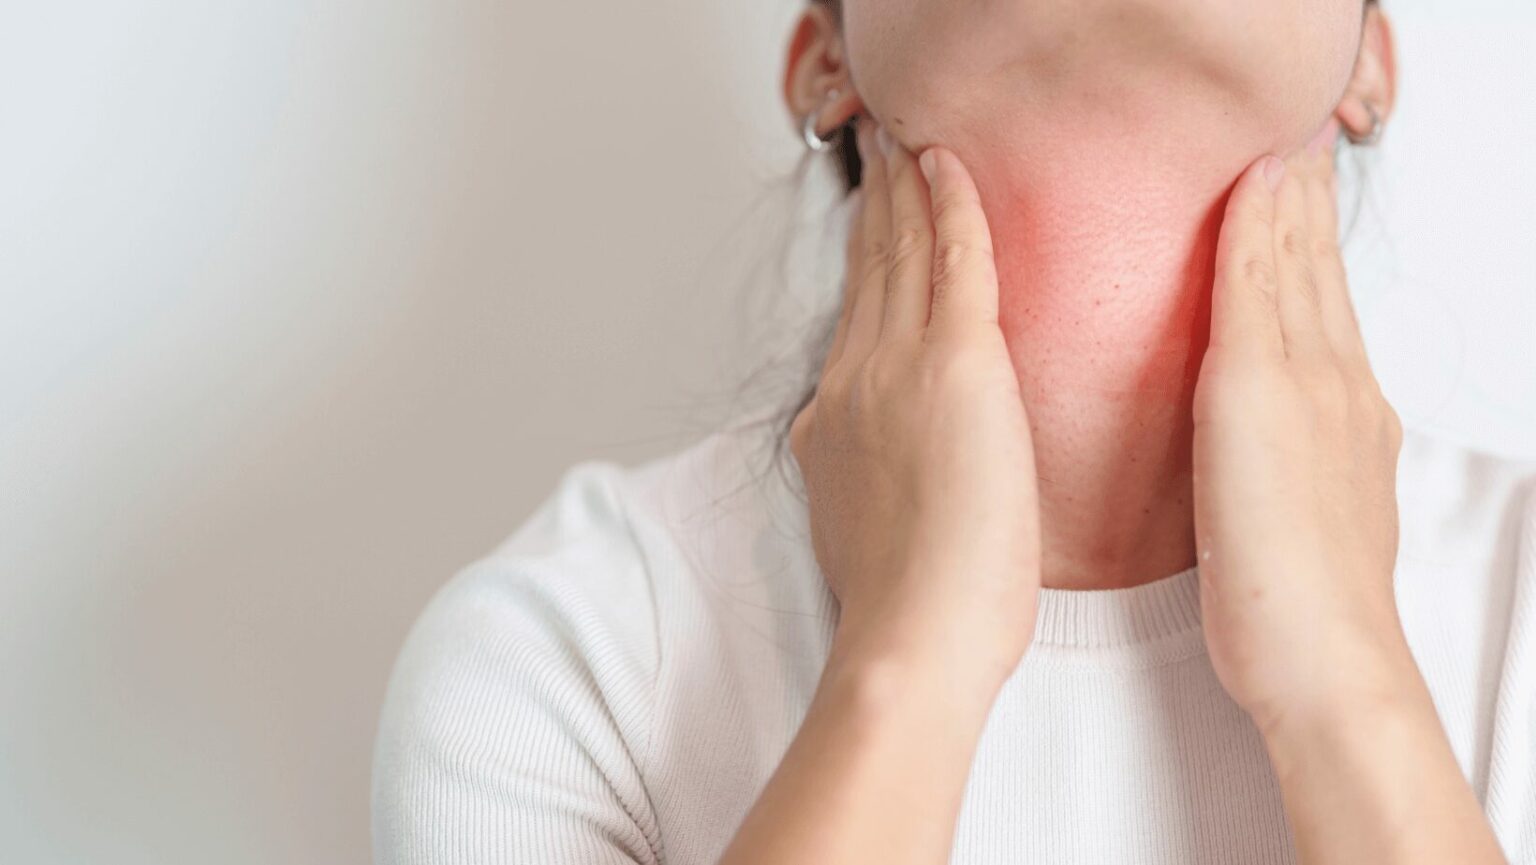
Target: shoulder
[(586, 566), (525, 689), (570, 594), (496, 687), (543, 659), (569, 578)]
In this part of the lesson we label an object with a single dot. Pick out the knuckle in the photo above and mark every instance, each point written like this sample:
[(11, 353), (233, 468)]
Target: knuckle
[(1295, 242), (1259, 272), (1258, 214), (1327, 250), (1306, 284), (877, 253), (1251, 209), (1259, 277), (907, 245), (953, 257), (951, 205)]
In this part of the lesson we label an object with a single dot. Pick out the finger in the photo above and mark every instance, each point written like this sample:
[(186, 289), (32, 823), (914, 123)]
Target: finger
[(1244, 317), (911, 274), (1296, 298), (1338, 313), (854, 256), (869, 302), (964, 275)]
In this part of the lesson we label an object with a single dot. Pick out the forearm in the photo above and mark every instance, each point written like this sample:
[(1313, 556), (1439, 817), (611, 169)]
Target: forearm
[(1373, 779), (877, 771)]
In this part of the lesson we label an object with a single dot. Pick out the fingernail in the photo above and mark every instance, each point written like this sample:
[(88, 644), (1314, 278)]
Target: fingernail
[(886, 144), (1274, 172), (928, 163), (861, 139)]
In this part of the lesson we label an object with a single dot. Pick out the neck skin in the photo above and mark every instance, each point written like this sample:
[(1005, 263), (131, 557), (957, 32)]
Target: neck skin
[(1105, 256)]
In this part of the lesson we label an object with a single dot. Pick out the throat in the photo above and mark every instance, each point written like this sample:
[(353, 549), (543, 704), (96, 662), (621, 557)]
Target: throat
[(1105, 270)]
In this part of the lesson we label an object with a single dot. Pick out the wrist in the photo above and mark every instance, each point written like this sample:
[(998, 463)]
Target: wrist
[(1374, 778), (886, 666), (1387, 689), (1340, 667), (978, 638)]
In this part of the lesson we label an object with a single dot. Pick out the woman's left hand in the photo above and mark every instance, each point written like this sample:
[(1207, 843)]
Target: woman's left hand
[(1295, 462)]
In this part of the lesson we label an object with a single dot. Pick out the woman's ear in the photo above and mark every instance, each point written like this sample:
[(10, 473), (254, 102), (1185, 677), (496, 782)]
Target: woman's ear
[(1372, 91), (815, 67)]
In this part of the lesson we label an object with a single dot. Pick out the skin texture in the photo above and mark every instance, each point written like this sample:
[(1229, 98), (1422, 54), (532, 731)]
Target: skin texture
[(919, 365), (1103, 138), (1055, 321)]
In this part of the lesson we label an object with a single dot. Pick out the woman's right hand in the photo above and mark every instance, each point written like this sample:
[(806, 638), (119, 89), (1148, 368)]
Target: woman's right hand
[(916, 450)]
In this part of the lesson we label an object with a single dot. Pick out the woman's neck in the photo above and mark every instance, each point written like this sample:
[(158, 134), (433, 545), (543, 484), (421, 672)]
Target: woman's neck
[(1105, 259)]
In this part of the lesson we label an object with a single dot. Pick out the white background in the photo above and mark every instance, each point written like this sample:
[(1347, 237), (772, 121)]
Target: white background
[(303, 306)]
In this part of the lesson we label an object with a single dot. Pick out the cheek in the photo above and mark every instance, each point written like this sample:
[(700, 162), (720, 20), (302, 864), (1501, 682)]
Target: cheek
[(1302, 70), (906, 56)]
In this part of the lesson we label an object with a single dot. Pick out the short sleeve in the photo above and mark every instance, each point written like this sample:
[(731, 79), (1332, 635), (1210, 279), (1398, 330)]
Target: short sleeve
[(516, 720)]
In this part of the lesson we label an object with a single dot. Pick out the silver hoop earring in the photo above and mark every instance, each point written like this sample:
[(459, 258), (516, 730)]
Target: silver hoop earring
[(1372, 138), (814, 142)]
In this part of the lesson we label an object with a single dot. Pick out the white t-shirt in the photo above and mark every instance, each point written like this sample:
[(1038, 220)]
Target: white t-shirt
[(617, 681)]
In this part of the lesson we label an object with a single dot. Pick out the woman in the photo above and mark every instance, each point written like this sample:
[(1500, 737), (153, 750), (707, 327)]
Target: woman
[(1110, 550)]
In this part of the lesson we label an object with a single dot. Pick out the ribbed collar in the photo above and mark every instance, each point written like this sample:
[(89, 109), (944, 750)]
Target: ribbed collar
[(1148, 625), (1118, 618)]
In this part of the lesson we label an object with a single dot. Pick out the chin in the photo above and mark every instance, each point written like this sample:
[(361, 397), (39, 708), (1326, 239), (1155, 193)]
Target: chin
[(1193, 82)]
